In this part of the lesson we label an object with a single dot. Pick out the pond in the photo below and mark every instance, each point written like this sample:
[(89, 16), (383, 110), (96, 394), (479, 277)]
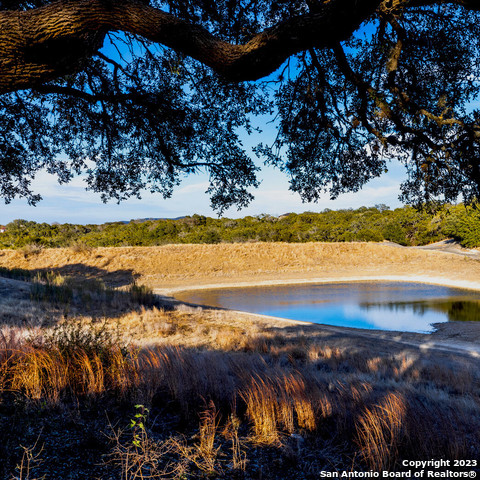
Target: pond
[(409, 307)]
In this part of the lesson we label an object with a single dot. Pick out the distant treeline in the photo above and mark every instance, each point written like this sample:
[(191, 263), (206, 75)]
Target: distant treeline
[(405, 226)]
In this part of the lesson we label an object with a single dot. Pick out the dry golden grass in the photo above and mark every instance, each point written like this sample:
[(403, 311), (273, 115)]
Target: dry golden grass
[(184, 265), (278, 404), (379, 431), (379, 408)]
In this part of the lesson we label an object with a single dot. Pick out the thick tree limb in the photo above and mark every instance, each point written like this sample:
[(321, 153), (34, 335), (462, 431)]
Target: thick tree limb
[(44, 43)]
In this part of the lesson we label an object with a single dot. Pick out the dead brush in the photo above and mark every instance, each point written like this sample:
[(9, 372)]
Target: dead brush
[(149, 375), (402, 367), (380, 430), (191, 376), (446, 376), (230, 432), (31, 459), (80, 247), (324, 354), (47, 373), (442, 428), (123, 370), (209, 420), (31, 249), (112, 370), (204, 453)]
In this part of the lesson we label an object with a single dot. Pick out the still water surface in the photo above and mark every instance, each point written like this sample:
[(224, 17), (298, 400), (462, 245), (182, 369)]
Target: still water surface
[(410, 307)]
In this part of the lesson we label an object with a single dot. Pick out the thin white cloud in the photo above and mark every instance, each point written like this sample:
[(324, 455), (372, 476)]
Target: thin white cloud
[(74, 204)]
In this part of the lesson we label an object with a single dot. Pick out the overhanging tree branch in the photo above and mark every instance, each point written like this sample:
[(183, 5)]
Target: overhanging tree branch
[(41, 44)]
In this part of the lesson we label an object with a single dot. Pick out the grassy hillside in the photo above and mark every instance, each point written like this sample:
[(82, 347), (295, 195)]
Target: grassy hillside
[(177, 265)]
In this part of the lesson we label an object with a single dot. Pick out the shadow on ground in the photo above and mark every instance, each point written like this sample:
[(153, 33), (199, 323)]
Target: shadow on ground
[(42, 297)]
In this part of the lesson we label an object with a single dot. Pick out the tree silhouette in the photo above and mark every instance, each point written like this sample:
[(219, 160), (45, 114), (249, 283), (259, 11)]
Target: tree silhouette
[(352, 83)]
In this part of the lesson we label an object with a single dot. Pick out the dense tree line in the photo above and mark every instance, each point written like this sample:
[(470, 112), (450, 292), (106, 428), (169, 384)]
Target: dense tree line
[(406, 226)]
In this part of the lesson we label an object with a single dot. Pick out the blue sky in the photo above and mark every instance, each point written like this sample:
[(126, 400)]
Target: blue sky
[(71, 203)]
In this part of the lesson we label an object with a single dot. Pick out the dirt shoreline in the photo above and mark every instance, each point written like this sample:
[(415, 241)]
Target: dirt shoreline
[(446, 282), (171, 269), (461, 338)]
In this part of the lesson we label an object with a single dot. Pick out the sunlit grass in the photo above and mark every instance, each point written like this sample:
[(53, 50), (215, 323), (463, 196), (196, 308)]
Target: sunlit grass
[(377, 411)]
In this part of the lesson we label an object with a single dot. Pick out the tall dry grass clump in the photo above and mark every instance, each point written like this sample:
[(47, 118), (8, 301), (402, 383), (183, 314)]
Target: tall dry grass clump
[(277, 405), (380, 430), (49, 374), (73, 360), (40, 374), (260, 398), (302, 404)]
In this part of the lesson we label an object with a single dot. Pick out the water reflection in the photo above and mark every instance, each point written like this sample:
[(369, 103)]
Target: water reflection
[(376, 305), (458, 309)]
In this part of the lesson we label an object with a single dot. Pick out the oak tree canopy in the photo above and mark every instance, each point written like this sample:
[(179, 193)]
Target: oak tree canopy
[(136, 94)]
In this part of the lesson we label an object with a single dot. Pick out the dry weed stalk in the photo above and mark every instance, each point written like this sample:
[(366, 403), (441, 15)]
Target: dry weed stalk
[(31, 458), (204, 453), (230, 432), (209, 420)]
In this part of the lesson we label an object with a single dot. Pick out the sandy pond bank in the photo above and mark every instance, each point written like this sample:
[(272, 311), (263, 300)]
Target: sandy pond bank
[(449, 337), (446, 282)]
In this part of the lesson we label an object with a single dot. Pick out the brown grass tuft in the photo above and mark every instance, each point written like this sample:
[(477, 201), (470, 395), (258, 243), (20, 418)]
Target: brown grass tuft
[(380, 431)]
